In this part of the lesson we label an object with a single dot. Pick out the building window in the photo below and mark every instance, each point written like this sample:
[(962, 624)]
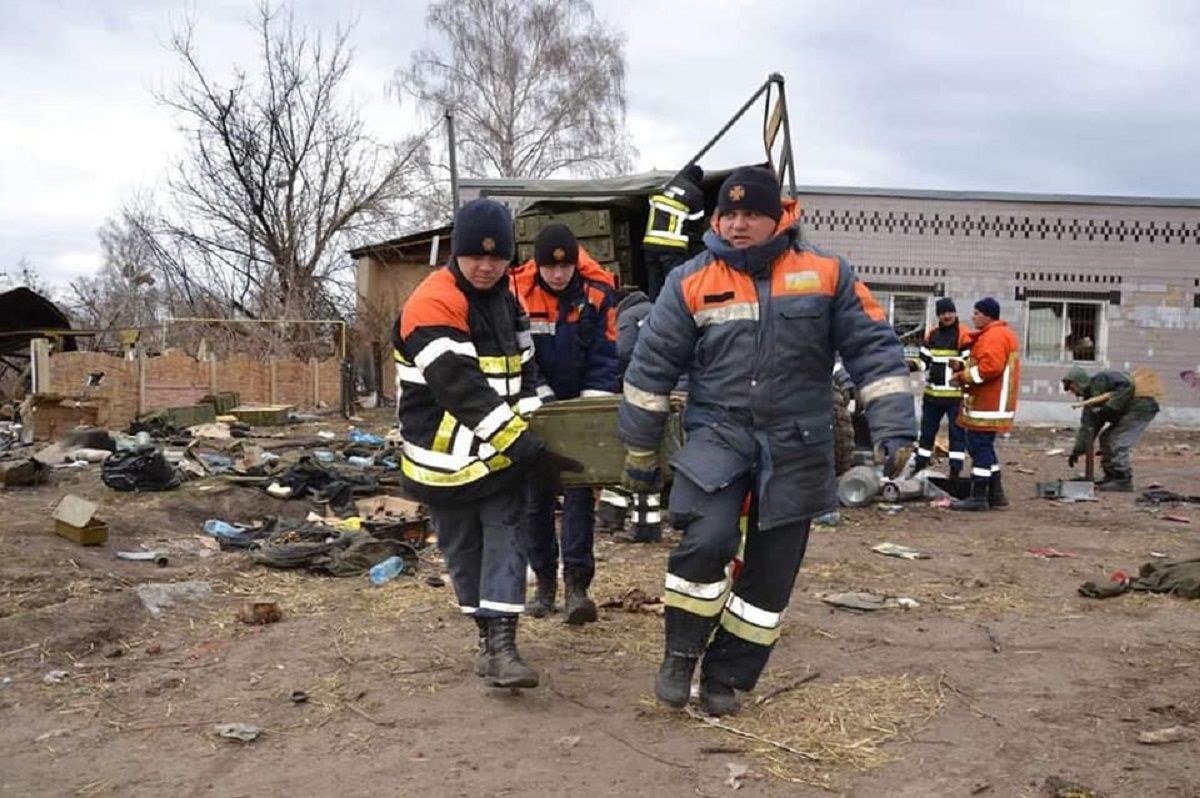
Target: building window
[(908, 313), (1063, 332)]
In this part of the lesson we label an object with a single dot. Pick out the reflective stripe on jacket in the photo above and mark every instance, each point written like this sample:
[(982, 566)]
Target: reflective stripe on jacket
[(464, 359), (942, 345), (672, 214), (756, 331), (574, 332), (993, 380)]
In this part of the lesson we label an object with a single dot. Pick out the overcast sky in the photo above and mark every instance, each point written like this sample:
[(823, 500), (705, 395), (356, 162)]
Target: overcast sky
[(1073, 97)]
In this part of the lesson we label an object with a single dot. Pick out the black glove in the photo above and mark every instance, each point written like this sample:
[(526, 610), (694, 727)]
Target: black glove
[(546, 468), (893, 454), (1072, 459)]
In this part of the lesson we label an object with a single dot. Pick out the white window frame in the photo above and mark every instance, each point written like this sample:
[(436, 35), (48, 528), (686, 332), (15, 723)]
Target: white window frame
[(913, 343), (1101, 342)]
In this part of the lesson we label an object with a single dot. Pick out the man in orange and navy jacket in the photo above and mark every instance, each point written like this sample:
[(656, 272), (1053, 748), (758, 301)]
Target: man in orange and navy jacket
[(990, 379), (572, 315), (464, 356), (755, 322)]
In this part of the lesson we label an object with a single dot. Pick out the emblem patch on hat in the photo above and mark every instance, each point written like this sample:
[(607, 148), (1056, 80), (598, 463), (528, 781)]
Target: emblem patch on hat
[(559, 254), (736, 193), (488, 244)]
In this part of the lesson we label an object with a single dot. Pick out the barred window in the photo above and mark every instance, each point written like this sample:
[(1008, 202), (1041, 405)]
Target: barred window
[(1063, 332), (908, 313)]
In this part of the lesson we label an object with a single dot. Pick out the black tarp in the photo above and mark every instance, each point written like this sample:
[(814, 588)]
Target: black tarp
[(21, 310)]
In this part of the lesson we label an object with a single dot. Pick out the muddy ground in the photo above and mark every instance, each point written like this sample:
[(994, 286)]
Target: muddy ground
[(1001, 679)]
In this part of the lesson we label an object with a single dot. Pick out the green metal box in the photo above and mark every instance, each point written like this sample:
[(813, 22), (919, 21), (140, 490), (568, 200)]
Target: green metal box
[(586, 430)]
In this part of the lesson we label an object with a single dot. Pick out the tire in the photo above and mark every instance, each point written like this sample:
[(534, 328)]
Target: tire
[(843, 431)]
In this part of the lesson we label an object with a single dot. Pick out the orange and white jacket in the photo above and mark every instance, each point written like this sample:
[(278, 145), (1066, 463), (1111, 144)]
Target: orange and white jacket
[(991, 380)]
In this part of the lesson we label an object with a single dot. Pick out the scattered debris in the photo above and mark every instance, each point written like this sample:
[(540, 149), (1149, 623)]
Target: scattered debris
[(298, 697), (1024, 470), (941, 502), (54, 677), (1055, 452), (896, 550), (50, 735), (783, 688), (23, 473), (75, 519), (1171, 734), (1050, 553), (736, 774), (1162, 555), (259, 613), (156, 557), (981, 787), (1061, 788), (154, 649), (865, 601), (144, 468), (157, 596), (1156, 495), (435, 581), (1071, 490), (635, 600), (237, 731), (1179, 519), (568, 742)]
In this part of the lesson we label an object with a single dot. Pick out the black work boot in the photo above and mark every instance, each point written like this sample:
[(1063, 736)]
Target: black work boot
[(579, 608), (673, 685), (543, 600), (1118, 482), (483, 663), (646, 533), (507, 669), (718, 699), (919, 462), (980, 487), (996, 497)]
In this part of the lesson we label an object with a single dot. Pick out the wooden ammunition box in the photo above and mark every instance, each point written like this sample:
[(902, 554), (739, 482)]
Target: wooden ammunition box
[(586, 430)]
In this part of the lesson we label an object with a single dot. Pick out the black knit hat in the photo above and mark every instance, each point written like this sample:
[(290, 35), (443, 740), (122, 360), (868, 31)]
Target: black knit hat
[(945, 305), (988, 307), (694, 173), (555, 244), (750, 188), (483, 227)]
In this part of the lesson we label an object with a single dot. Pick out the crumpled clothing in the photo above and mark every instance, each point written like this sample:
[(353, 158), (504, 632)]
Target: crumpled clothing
[(310, 479), (1176, 577), (143, 468)]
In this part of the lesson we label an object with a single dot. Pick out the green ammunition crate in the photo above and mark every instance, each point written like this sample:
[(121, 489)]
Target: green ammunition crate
[(583, 223), (586, 430)]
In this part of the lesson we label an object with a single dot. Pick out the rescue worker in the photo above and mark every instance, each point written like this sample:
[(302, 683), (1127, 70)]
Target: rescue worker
[(673, 221), (755, 322), (642, 510), (573, 319), (991, 380), (949, 341), (1123, 417), (465, 357)]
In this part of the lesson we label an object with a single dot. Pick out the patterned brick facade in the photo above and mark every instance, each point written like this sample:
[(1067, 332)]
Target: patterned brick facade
[(1134, 263)]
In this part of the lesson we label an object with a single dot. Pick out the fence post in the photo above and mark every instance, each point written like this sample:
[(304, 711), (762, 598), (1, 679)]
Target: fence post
[(141, 383), (212, 373), (273, 389), (314, 366)]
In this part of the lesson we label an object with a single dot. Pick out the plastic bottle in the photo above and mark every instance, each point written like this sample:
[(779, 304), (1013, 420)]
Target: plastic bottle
[(362, 462), (387, 570), (220, 529)]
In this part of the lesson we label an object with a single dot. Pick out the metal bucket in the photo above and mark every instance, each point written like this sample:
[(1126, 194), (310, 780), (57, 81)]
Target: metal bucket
[(858, 486)]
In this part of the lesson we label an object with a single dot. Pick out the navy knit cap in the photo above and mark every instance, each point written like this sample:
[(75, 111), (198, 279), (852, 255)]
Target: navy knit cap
[(750, 188), (483, 227), (988, 307), (945, 305), (555, 244)]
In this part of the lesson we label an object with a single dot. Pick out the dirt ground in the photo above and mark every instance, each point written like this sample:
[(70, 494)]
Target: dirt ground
[(1000, 681)]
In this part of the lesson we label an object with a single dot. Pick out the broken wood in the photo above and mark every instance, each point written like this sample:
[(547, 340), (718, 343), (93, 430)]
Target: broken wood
[(783, 688)]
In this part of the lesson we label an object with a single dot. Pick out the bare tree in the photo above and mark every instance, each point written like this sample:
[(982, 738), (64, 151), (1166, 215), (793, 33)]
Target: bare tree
[(278, 180), (537, 87), (25, 274)]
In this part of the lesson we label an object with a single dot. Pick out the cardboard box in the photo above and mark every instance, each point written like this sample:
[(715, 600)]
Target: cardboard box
[(75, 519)]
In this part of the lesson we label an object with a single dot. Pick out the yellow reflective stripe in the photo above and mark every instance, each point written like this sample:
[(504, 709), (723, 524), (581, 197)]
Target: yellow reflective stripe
[(668, 204), (500, 364), (705, 608), (508, 433), (497, 462), (940, 392), (445, 434), (475, 471), (748, 631)]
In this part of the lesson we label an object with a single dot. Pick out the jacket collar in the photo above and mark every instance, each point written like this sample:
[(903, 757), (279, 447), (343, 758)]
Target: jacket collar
[(756, 260), (471, 291)]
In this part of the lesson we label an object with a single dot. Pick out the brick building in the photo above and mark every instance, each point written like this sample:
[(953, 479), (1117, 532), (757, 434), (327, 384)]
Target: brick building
[(1102, 282)]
